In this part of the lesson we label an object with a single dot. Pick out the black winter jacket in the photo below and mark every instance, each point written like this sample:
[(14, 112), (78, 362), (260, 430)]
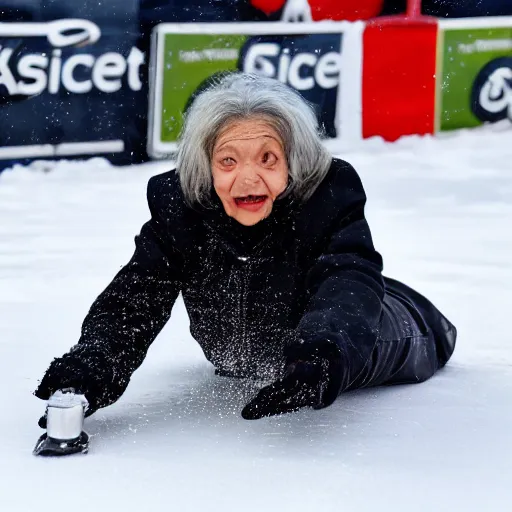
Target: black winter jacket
[(306, 275)]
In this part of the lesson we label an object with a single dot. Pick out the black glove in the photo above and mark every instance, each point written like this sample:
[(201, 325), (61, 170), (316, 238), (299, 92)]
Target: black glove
[(85, 378), (312, 379), (300, 387)]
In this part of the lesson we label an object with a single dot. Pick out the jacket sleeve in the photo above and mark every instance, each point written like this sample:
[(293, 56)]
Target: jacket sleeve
[(346, 290), (124, 320)]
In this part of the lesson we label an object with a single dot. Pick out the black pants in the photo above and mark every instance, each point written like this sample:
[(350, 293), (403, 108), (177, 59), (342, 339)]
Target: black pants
[(415, 340)]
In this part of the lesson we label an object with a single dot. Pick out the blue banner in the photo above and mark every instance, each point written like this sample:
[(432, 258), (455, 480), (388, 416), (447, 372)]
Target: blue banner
[(68, 87)]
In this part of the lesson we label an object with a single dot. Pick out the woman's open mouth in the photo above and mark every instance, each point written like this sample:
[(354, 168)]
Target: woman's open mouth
[(251, 203)]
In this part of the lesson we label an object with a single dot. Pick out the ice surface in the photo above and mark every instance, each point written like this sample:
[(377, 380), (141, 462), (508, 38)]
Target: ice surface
[(441, 214)]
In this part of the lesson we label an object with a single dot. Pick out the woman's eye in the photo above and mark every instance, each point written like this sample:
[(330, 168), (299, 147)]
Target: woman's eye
[(228, 161), (269, 158)]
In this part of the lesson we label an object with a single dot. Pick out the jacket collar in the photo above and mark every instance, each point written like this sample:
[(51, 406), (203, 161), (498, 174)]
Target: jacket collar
[(249, 239)]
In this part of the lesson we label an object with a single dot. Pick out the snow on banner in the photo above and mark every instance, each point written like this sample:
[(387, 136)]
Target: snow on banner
[(321, 61)]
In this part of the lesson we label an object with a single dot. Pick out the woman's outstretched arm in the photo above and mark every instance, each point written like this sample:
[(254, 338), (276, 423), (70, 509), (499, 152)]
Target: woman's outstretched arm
[(346, 289), (125, 319)]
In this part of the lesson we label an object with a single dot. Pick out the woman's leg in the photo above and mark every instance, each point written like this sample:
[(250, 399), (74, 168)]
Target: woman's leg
[(415, 339), (444, 332)]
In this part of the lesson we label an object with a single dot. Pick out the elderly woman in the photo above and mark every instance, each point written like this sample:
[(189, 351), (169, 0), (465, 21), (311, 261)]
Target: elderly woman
[(264, 234)]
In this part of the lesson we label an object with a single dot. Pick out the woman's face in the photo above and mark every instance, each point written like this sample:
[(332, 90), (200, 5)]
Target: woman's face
[(249, 169)]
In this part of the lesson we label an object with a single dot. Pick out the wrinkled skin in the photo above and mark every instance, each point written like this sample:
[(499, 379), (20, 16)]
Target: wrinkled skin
[(249, 169)]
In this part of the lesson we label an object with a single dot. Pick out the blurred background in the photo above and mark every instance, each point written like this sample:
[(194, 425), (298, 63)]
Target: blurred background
[(92, 97)]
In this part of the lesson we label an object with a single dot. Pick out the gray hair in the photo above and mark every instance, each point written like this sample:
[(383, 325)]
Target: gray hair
[(239, 96)]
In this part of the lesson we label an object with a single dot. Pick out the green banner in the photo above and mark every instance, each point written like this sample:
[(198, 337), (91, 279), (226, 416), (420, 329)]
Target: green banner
[(474, 83), (189, 60), (184, 63)]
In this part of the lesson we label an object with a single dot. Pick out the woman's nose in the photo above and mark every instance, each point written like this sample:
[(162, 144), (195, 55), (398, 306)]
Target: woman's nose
[(248, 180), (249, 176)]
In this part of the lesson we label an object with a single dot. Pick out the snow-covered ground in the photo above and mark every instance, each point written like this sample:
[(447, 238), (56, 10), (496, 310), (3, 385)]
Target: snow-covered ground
[(441, 215)]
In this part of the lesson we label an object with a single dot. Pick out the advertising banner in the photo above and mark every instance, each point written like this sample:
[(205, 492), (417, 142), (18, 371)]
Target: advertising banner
[(68, 89), (321, 61), (474, 78)]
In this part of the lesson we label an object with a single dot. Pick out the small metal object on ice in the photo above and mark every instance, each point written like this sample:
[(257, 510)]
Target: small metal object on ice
[(65, 415), (65, 419)]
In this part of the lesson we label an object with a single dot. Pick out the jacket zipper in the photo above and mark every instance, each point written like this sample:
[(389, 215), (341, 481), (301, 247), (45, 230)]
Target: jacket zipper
[(244, 285)]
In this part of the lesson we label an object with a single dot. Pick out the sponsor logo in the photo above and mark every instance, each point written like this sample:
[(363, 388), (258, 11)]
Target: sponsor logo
[(491, 97), (33, 73), (209, 54), (485, 45), (301, 70)]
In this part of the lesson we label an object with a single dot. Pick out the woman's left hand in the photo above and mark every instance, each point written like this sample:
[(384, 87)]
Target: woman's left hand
[(300, 387)]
